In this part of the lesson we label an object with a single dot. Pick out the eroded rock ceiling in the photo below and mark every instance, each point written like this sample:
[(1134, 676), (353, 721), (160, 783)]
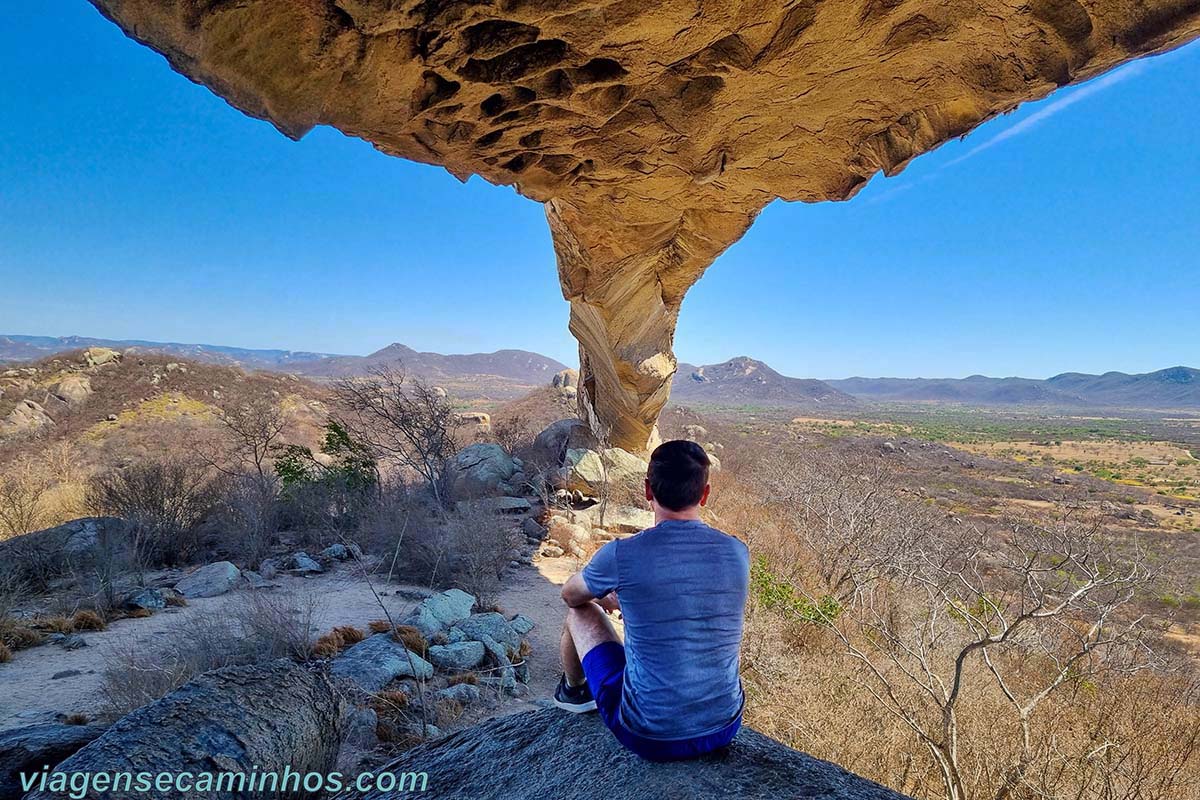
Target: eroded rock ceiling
[(654, 132)]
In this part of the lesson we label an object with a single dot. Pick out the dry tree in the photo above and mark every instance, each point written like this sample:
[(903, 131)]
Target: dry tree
[(402, 420)]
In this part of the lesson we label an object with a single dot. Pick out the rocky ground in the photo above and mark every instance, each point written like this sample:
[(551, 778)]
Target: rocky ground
[(50, 683)]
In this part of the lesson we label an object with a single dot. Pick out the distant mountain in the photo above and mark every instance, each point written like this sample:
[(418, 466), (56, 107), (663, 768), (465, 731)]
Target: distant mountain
[(504, 374), (1177, 387), (745, 381), (31, 348), (516, 365)]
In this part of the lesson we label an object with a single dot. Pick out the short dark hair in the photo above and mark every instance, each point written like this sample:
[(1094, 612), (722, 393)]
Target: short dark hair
[(678, 474)]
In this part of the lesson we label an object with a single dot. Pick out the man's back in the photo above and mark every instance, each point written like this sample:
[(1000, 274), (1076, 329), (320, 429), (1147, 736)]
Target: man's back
[(682, 587)]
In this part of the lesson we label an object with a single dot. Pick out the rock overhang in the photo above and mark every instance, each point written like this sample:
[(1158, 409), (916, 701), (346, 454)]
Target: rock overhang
[(653, 132)]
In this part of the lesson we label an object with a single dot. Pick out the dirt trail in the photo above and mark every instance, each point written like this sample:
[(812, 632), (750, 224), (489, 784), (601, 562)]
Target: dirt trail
[(29, 692)]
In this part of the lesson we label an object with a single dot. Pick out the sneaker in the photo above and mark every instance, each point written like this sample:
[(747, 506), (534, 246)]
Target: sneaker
[(576, 699)]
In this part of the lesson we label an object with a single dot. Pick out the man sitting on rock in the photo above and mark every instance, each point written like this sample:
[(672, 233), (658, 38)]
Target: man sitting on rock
[(672, 690)]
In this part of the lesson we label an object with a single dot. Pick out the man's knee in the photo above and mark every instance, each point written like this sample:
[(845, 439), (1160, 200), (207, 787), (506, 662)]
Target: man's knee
[(589, 626)]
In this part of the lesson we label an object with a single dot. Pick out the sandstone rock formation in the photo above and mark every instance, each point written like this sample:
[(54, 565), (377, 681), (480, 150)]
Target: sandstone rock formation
[(653, 132), (552, 754)]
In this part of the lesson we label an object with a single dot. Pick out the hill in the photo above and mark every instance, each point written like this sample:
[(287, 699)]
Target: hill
[(745, 381), (502, 375), (1176, 387), (517, 365), (30, 348)]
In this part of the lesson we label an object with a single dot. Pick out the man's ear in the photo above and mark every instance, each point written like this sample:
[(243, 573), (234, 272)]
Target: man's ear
[(704, 494), (649, 493)]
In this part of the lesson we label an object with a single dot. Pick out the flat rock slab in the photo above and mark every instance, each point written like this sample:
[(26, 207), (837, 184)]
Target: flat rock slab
[(553, 754), (378, 660), (30, 749), (210, 580)]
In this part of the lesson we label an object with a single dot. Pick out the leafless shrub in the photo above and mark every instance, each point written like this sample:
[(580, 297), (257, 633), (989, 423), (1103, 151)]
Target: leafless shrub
[(248, 509), (512, 432), (261, 629), (404, 421), (468, 548), (164, 504), (952, 662), (23, 491), (277, 627), (135, 675), (62, 460), (482, 544), (253, 428)]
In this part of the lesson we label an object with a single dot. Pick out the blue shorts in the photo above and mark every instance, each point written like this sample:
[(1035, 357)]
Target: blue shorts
[(604, 666)]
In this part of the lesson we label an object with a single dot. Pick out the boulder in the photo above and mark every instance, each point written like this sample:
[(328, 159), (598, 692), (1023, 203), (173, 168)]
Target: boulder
[(565, 379), (590, 471), (695, 433), (620, 518), (340, 552), (461, 693), (521, 624), (437, 613), (210, 580), (551, 445), (565, 532), (98, 356), (457, 657), (534, 531), (73, 390), (481, 627), (303, 564), (378, 660), (481, 470), (31, 749), (262, 718), (522, 755), (148, 599), (479, 421), (27, 417), (494, 505)]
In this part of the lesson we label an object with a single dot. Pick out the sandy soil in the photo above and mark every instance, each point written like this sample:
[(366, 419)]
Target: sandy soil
[(29, 692)]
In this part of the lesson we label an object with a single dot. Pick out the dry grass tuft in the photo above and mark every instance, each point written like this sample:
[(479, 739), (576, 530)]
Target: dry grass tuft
[(139, 613), (5, 653), (76, 719), (448, 710), (328, 645), (389, 702), (411, 638), (463, 677), (379, 626), (19, 637), (176, 601), (350, 634), (54, 624), (87, 620)]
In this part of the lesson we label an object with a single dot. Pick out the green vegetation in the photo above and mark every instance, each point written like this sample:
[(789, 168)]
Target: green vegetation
[(352, 466), (777, 594)]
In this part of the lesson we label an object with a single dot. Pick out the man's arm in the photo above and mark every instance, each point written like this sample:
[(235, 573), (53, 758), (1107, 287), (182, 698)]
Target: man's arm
[(575, 592)]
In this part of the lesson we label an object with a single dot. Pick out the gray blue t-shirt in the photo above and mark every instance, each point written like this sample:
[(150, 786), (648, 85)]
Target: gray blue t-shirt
[(682, 587)]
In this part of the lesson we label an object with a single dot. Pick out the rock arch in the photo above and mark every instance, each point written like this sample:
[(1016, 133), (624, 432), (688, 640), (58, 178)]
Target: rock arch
[(652, 132)]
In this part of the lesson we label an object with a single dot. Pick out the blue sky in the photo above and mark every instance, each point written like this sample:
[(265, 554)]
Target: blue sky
[(135, 204)]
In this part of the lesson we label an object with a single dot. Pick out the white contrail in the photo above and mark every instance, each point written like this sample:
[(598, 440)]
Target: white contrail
[(1025, 125)]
